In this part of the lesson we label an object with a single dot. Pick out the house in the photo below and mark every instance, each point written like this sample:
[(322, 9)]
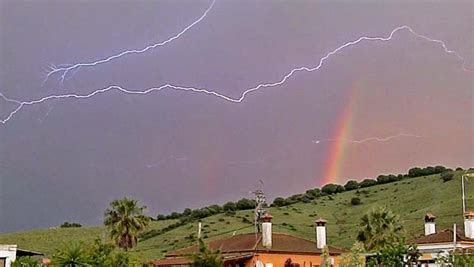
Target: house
[(435, 244), (9, 253), (267, 249)]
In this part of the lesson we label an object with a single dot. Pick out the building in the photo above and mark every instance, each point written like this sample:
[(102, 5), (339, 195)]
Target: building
[(434, 244), (267, 249), (9, 253)]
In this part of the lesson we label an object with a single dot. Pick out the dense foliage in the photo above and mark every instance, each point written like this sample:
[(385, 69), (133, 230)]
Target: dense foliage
[(396, 255), (206, 257), (97, 254), (354, 258)]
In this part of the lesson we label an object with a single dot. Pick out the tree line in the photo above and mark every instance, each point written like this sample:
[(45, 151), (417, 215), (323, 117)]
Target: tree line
[(331, 189)]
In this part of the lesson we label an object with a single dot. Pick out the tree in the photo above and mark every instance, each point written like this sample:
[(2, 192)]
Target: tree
[(415, 172), (97, 254), (325, 257), (354, 258), (70, 225), (351, 185), (332, 189), (71, 255), (206, 257), (160, 217), (125, 220), (457, 259), (313, 193), (447, 176), (397, 255), (101, 254), (245, 204), (229, 206), (367, 183), (279, 202), (380, 228)]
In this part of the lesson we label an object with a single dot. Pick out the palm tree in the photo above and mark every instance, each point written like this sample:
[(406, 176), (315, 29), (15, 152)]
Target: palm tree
[(125, 220), (72, 255), (379, 229)]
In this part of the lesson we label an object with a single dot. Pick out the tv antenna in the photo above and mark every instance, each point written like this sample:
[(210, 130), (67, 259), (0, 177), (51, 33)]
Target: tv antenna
[(261, 203)]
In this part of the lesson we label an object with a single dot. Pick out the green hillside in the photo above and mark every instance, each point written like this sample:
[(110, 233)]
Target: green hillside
[(411, 198)]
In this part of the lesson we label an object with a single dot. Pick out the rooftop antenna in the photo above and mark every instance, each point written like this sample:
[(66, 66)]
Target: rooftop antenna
[(261, 202)]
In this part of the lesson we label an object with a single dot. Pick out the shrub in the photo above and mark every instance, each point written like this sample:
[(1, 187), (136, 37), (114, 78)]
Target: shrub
[(245, 204), (447, 176), (313, 193), (70, 225), (229, 206), (367, 183), (351, 185), (332, 189), (356, 201), (279, 202)]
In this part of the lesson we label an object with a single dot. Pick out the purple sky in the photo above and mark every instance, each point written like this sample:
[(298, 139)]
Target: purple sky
[(65, 160)]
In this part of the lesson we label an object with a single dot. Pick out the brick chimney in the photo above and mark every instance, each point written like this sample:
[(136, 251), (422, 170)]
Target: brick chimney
[(430, 226), (320, 233), (469, 224), (267, 230)]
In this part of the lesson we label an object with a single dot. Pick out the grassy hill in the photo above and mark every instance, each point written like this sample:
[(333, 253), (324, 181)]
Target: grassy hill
[(410, 198)]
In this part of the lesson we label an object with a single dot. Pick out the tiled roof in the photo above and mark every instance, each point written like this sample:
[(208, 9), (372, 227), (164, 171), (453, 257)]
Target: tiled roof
[(444, 236), (180, 260), (253, 243)]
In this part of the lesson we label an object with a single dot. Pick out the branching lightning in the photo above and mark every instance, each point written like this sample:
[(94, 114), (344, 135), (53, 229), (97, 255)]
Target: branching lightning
[(369, 139), (65, 69), (243, 95)]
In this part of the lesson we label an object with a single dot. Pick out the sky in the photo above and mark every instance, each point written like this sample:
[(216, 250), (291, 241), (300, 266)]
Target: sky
[(372, 108)]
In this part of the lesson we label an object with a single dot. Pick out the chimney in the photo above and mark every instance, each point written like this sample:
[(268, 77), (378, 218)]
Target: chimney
[(267, 230), (430, 226), (320, 233), (469, 224)]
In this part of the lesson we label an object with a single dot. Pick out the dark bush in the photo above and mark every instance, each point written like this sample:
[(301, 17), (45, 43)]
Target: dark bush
[(70, 225), (351, 185), (356, 201), (313, 193), (447, 176), (367, 183), (229, 206), (245, 204), (279, 202), (332, 189)]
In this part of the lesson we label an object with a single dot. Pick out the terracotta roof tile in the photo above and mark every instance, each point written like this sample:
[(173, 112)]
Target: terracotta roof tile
[(444, 236), (251, 243)]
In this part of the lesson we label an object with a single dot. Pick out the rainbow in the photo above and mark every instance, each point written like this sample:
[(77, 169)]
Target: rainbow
[(332, 173)]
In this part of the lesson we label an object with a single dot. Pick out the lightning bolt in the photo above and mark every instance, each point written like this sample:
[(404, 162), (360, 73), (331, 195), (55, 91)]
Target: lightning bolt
[(66, 68), (369, 139), (243, 95)]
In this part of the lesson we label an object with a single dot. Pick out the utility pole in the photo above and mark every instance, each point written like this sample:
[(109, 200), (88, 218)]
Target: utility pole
[(454, 241)]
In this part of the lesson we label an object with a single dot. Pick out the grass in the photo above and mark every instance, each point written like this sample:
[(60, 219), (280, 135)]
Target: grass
[(410, 198)]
